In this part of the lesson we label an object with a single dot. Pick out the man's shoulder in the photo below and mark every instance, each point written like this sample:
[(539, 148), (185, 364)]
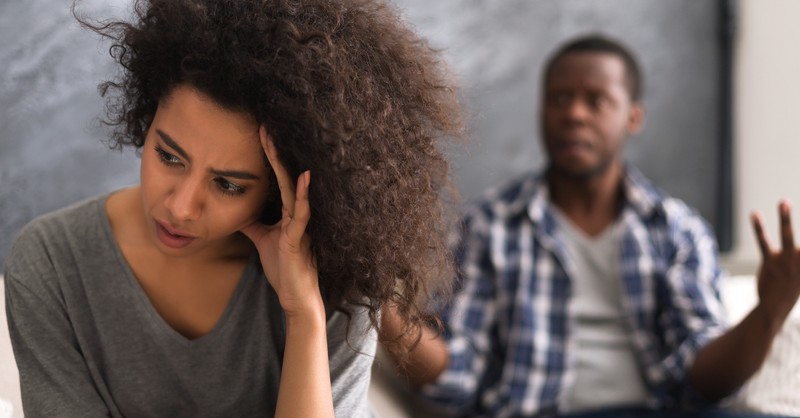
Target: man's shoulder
[(676, 209), (658, 207), (645, 195), (513, 195)]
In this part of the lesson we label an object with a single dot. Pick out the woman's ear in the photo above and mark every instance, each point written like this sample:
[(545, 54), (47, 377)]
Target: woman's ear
[(271, 213), (266, 143)]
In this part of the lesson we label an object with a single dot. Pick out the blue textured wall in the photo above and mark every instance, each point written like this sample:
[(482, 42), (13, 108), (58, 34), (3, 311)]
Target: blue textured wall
[(51, 143), (51, 149)]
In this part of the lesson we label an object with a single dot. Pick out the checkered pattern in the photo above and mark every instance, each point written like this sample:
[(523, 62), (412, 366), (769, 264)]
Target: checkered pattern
[(508, 327)]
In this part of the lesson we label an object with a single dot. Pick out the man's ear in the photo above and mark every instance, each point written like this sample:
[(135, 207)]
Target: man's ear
[(636, 118)]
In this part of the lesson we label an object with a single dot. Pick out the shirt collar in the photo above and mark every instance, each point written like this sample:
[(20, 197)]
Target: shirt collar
[(638, 193)]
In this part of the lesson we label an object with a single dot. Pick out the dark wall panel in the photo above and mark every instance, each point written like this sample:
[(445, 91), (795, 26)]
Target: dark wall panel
[(498, 49)]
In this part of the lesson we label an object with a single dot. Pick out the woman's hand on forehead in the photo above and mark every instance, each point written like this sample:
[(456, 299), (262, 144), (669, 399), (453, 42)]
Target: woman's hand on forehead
[(285, 248)]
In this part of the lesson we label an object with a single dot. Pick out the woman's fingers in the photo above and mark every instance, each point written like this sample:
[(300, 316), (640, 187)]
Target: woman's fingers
[(285, 183), (302, 211), (296, 209)]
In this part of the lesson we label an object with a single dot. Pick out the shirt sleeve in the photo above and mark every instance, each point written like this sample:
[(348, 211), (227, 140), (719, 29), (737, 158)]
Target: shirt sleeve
[(693, 313), (470, 321), (352, 343), (54, 378)]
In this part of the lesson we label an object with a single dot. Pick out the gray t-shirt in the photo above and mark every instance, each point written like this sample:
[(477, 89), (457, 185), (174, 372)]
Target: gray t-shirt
[(604, 371), (88, 342)]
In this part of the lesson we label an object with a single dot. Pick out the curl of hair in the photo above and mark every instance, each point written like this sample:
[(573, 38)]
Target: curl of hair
[(346, 90)]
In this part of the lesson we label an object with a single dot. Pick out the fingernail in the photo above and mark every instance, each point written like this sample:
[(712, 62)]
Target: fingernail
[(307, 177)]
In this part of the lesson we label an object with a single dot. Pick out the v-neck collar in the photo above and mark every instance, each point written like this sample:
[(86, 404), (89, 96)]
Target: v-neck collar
[(146, 305)]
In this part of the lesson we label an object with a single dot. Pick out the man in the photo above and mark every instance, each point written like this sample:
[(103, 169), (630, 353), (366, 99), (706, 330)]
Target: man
[(585, 289)]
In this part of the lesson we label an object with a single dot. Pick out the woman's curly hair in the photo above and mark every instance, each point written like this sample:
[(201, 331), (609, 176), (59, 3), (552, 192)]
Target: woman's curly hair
[(346, 90)]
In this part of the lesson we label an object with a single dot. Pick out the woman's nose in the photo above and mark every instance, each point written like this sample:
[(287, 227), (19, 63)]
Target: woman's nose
[(186, 201)]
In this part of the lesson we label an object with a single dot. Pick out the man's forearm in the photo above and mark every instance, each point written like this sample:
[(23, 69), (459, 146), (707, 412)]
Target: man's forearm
[(727, 362)]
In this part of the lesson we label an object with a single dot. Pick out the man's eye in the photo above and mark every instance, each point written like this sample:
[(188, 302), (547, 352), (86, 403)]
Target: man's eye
[(229, 188), (597, 100), (559, 99)]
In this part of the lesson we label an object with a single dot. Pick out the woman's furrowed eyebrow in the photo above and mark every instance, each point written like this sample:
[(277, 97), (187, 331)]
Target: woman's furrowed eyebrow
[(172, 144), (237, 174), (243, 175)]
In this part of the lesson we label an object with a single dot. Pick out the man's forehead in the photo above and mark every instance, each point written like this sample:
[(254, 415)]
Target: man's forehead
[(589, 65)]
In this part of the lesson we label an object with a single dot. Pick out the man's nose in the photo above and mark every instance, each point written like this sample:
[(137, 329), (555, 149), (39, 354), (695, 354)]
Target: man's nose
[(577, 110), (186, 201)]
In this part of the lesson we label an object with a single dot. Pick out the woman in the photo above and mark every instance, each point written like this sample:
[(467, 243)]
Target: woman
[(290, 188)]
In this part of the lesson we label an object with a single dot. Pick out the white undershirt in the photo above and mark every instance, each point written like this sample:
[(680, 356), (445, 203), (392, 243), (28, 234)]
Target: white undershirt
[(603, 364)]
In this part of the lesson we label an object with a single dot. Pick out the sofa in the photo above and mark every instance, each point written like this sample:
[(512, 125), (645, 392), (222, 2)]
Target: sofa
[(10, 403), (775, 389)]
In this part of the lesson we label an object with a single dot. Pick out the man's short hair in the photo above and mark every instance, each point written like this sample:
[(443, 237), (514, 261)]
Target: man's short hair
[(602, 44)]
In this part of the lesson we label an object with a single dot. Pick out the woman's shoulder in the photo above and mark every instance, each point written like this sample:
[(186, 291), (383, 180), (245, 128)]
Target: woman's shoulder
[(351, 327), (50, 236), (69, 219)]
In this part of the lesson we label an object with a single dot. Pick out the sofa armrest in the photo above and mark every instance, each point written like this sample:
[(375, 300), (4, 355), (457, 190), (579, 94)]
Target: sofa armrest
[(10, 401), (775, 388)]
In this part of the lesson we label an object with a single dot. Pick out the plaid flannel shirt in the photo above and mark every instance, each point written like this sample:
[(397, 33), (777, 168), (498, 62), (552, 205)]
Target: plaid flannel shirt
[(508, 326)]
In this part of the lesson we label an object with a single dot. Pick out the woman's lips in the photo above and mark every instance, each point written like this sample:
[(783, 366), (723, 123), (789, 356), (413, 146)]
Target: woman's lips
[(172, 238)]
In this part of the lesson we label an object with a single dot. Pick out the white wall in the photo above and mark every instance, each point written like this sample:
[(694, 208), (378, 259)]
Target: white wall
[(767, 121)]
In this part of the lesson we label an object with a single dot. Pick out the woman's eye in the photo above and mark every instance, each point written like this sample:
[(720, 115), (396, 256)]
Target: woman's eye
[(229, 188), (167, 158)]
